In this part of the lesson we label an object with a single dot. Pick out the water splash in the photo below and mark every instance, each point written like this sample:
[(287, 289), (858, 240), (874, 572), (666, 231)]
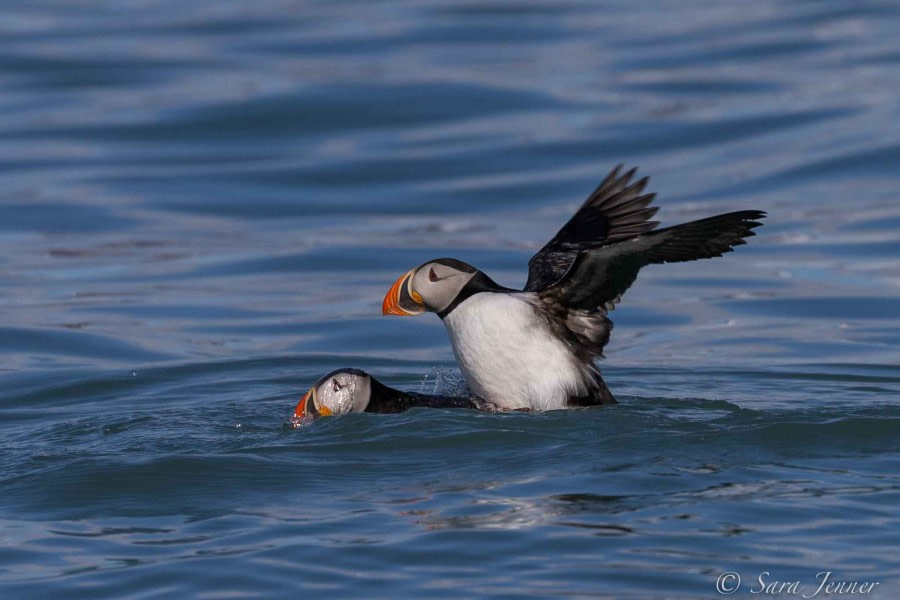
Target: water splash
[(443, 381)]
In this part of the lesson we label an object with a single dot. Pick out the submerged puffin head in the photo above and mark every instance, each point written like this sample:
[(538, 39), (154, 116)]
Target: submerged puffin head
[(338, 393), (431, 287)]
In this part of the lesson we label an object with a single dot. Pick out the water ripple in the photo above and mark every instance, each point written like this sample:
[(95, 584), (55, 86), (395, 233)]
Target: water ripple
[(204, 203)]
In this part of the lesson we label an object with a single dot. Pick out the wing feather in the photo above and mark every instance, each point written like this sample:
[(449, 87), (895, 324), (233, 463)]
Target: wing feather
[(581, 274), (600, 275), (616, 210)]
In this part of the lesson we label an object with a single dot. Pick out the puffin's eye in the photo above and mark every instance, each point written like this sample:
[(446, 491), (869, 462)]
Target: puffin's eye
[(431, 275), (335, 386)]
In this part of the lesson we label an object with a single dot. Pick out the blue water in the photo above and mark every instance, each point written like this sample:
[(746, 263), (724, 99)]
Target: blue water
[(204, 202)]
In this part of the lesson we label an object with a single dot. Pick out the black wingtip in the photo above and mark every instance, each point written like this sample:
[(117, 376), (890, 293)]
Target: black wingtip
[(751, 215), (705, 238), (629, 174), (608, 181)]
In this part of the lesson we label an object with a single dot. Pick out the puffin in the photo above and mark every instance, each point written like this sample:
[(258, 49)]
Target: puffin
[(536, 348), (353, 390)]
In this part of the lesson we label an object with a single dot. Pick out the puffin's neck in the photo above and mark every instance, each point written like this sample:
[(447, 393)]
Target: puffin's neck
[(479, 283), (384, 399)]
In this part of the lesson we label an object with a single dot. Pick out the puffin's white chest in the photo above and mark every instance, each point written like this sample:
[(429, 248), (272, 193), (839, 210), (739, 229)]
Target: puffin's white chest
[(509, 355)]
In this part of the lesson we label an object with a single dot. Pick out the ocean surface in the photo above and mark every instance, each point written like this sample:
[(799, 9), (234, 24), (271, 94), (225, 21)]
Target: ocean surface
[(203, 204)]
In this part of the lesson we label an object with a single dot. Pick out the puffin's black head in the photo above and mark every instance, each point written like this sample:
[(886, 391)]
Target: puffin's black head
[(431, 287), (338, 393)]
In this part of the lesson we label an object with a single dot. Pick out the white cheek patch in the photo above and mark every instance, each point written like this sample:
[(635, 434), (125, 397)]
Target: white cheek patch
[(346, 398), (361, 392), (337, 402), (441, 293), (343, 394), (342, 401)]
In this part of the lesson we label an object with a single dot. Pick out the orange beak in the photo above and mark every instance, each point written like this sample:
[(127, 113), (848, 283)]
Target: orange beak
[(309, 408), (401, 300), (301, 410)]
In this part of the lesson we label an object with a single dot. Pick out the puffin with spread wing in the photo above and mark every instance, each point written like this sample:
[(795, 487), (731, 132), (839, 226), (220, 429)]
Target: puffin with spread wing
[(535, 348)]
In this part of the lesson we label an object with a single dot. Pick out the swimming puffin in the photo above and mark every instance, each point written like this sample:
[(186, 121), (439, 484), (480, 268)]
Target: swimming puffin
[(353, 390), (535, 348)]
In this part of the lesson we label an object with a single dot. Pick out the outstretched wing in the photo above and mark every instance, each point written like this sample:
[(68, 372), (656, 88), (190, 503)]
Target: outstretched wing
[(616, 211), (598, 276), (582, 272)]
